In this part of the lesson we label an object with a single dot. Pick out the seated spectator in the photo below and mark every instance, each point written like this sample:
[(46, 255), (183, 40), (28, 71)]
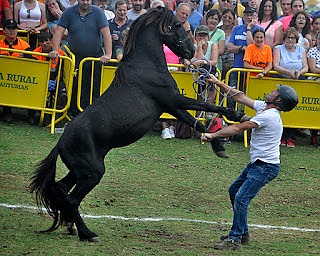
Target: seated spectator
[(12, 41), (291, 61), (268, 19), (103, 4), (258, 55), (31, 16), (289, 58), (54, 10), (216, 34), (45, 46), (301, 22), (315, 29), (314, 66)]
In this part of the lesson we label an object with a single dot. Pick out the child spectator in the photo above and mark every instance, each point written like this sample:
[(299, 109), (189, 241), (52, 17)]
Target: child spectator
[(45, 46), (103, 4)]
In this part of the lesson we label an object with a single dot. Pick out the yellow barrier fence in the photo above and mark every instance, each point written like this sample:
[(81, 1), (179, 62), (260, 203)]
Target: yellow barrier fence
[(24, 84)]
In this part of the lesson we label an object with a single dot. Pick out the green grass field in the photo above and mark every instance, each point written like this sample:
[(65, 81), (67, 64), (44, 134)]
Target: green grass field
[(161, 198)]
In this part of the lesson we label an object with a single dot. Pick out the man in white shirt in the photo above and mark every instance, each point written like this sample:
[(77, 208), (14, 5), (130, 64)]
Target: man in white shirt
[(264, 163), (137, 9)]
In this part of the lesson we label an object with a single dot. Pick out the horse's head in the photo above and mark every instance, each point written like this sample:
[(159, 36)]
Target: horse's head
[(176, 38)]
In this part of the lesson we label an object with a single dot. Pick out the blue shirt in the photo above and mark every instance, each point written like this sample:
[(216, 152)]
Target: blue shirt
[(84, 35), (116, 29), (239, 38), (195, 19)]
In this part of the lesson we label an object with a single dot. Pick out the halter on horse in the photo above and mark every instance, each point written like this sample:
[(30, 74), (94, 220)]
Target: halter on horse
[(141, 91)]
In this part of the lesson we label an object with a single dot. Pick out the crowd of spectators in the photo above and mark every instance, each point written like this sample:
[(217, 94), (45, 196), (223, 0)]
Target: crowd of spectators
[(226, 33)]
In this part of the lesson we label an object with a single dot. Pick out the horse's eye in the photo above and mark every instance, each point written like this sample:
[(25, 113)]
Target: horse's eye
[(169, 27)]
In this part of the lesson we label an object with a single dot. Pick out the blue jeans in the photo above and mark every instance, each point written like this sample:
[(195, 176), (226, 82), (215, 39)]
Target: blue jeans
[(245, 187)]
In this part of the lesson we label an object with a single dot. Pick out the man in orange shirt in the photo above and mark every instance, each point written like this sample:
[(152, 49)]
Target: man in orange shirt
[(11, 41), (45, 46)]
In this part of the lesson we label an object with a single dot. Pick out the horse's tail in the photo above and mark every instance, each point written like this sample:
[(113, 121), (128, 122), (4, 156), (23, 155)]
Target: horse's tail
[(46, 189)]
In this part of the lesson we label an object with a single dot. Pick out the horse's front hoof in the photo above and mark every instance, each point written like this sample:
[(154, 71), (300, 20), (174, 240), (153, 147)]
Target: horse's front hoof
[(222, 154), (94, 239)]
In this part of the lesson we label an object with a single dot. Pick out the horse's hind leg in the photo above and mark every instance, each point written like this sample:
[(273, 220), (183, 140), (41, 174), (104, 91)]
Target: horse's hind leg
[(84, 185)]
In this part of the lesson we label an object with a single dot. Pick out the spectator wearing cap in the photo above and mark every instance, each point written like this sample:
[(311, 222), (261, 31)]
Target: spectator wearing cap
[(11, 41), (6, 10), (241, 37), (206, 52), (195, 17)]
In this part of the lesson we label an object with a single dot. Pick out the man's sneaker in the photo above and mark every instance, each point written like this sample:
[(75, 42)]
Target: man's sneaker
[(283, 142), (244, 240), (172, 131), (166, 134), (290, 143), (228, 244)]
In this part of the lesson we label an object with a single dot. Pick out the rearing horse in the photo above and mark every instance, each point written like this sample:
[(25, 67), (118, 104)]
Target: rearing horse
[(141, 91)]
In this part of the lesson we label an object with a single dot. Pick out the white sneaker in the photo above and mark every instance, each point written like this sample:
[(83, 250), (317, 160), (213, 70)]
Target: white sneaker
[(166, 134), (172, 131)]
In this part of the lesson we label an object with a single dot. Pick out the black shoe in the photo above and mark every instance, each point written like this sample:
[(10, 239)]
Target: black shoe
[(62, 100), (228, 244), (244, 240)]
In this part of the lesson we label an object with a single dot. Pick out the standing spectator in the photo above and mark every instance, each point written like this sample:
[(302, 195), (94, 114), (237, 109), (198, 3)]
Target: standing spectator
[(258, 55), (216, 34), (255, 4), (286, 8), (228, 18), (315, 29), (85, 23), (120, 48), (68, 3), (12, 41), (157, 3), (6, 10), (195, 17), (54, 10), (301, 22), (241, 37), (296, 6), (264, 163), (171, 4), (183, 11), (103, 4), (137, 9), (118, 24), (31, 16), (207, 5), (314, 65), (268, 19), (290, 60)]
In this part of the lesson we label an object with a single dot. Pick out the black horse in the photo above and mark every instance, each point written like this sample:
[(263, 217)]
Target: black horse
[(141, 91)]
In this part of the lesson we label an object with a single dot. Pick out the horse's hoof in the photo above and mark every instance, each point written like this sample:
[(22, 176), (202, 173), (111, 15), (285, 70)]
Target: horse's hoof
[(73, 230), (245, 118), (222, 154), (94, 239)]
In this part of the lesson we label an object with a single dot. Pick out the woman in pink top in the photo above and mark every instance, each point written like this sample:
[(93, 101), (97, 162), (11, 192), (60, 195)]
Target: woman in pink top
[(268, 19), (296, 6)]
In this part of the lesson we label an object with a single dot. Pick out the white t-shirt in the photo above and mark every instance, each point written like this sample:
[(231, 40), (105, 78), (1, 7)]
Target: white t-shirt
[(265, 140)]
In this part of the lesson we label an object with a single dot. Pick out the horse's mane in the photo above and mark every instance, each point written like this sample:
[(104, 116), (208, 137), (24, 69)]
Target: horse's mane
[(160, 16)]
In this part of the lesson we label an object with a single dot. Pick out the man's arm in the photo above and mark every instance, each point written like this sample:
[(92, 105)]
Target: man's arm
[(236, 95), (229, 131), (107, 43), (56, 40)]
